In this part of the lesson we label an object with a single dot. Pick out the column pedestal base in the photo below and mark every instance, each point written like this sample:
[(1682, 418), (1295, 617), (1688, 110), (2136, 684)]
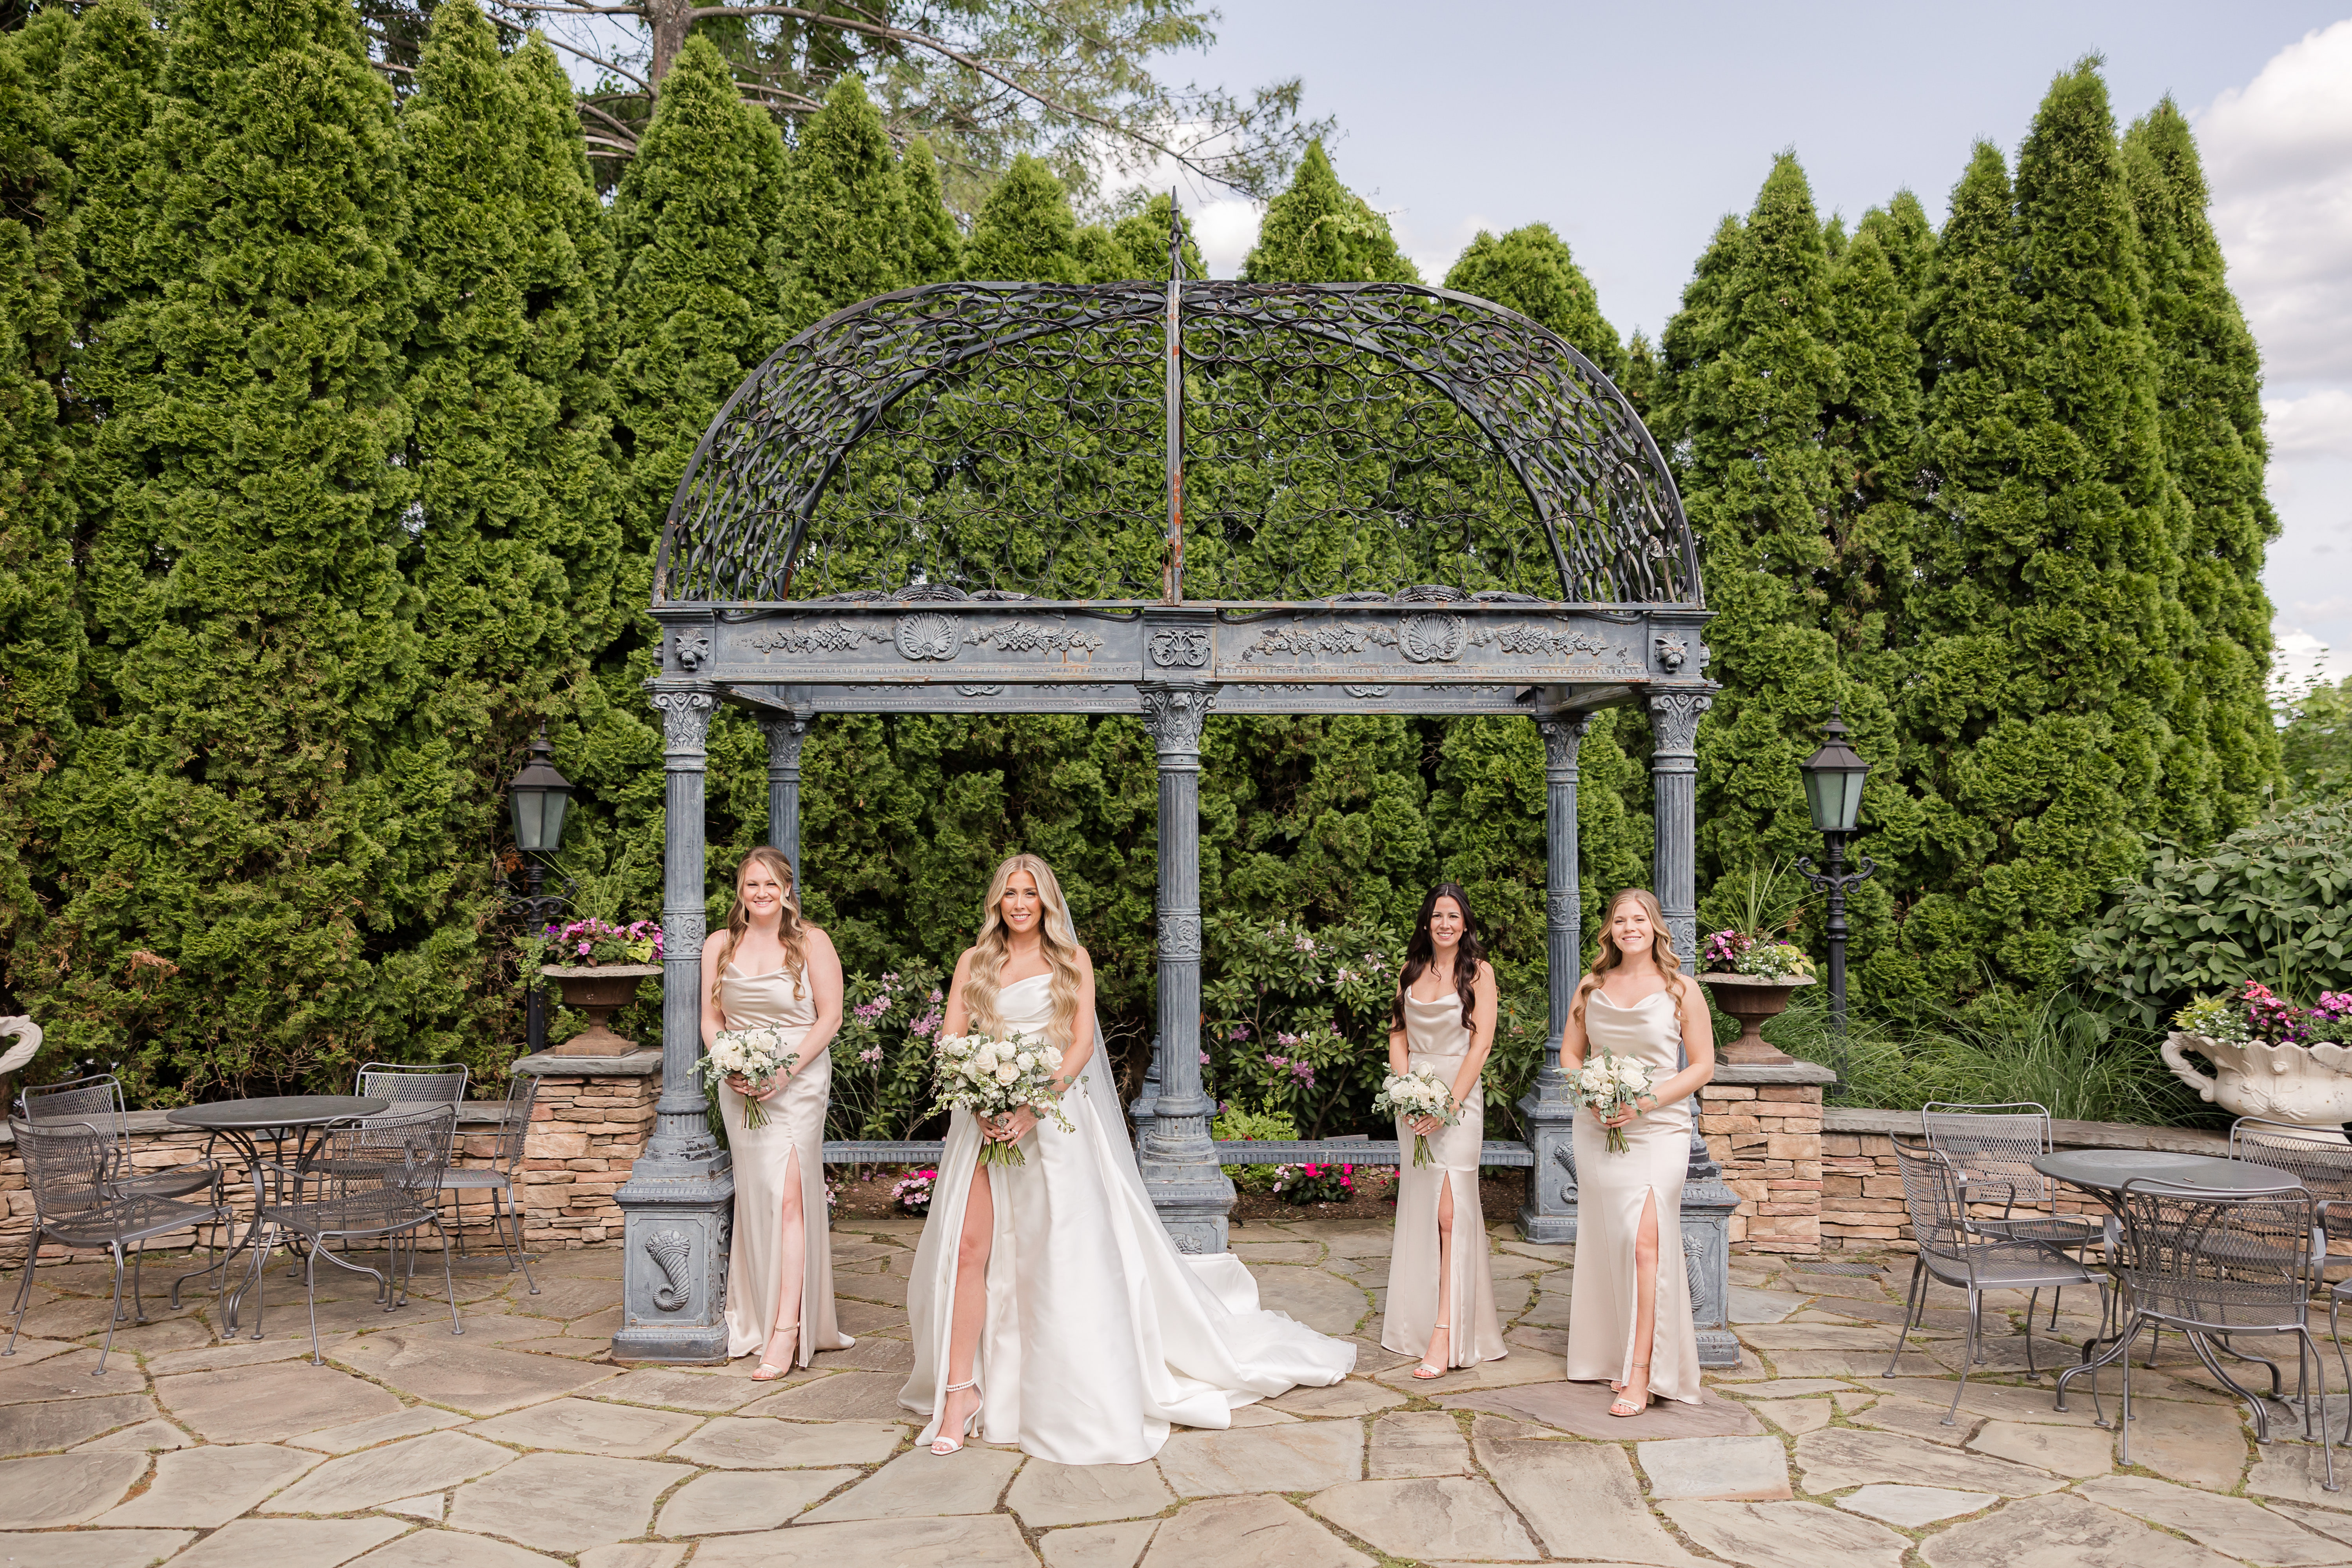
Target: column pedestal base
[(674, 1225), (1195, 1203), (1549, 1212)]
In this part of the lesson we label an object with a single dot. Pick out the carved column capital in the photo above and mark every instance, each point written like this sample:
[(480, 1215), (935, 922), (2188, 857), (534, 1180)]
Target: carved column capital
[(786, 732), (1175, 713), (686, 724), (1674, 718), (1562, 734)]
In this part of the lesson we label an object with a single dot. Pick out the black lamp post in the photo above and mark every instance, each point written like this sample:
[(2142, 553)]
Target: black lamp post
[(537, 797), (1833, 777)]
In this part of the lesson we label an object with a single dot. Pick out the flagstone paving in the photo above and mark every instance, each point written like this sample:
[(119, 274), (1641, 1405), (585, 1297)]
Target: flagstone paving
[(520, 1444)]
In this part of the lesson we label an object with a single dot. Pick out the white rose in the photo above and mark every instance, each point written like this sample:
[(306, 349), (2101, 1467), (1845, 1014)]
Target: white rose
[(1026, 1060), (1008, 1073), (1052, 1057)]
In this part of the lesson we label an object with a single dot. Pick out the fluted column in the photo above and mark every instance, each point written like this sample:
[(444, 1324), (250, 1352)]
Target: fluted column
[(786, 732), (677, 1201), (1673, 792), (1550, 1214), (1178, 1158)]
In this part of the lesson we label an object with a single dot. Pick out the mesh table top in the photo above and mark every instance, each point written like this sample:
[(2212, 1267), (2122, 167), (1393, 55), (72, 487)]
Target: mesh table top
[(2107, 1170), (276, 1111)]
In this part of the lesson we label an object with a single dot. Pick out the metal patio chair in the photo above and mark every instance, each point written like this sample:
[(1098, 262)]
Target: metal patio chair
[(96, 1100), (372, 1178), (2218, 1265), (499, 1178), (77, 1201), (1953, 1251), (2321, 1160), (1994, 1147), (408, 1085)]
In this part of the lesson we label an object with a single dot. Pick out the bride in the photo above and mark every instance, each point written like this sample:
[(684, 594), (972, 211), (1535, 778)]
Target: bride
[(1049, 1308)]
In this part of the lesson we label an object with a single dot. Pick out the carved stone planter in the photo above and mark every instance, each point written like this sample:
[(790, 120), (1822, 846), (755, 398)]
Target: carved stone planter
[(1754, 1001), (2308, 1085), (596, 989)]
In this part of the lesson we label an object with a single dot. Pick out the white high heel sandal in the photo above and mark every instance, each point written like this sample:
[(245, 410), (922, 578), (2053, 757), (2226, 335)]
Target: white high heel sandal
[(943, 1445)]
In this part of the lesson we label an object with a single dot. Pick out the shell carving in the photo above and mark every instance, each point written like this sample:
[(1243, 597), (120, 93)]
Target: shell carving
[(1432, 636), (927, 637)]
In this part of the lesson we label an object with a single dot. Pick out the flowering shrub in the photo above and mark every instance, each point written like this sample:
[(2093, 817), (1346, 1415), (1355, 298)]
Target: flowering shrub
[(882, 1057), (1316, 1183), (2257, 1013), (913, 1193), (590, 942), (1740, 952)]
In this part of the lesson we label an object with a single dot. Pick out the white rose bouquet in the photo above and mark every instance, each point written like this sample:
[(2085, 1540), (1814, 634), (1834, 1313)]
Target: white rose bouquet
[(996, 1078), (1421, 1092), (1606, 1081), (758, 1056)]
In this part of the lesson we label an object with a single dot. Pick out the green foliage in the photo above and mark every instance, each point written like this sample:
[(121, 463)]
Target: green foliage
[(882, 1057), (1319, 231), (1025, 230), (1531, 270), (935, 246), (843, 235), (2271, 902), (1236, 1125), (2316, 741)]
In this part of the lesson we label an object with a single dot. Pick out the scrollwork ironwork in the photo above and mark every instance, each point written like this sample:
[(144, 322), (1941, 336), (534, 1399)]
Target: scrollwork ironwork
[(1179, 647)]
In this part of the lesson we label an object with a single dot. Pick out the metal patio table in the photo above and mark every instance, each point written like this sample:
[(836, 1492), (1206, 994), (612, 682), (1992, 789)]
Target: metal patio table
[(275, 1119), (2104, 1172)]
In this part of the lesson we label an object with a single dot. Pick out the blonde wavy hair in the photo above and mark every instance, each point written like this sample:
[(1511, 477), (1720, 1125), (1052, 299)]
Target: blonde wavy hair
[(1608, 955), (791, 930), (988, 953)]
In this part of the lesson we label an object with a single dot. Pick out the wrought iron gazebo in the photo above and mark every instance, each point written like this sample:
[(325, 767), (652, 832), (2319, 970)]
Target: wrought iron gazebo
[(1158, 499)]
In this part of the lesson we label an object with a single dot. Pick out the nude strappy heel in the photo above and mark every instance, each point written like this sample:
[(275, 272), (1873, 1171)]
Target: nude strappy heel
[(1429, 1369), (1622, 1406), (943, 1445)]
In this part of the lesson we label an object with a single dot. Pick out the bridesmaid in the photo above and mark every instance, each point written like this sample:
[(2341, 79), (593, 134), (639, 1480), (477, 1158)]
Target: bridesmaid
[(1629, 1317), (771, 969), (1441, 1302)]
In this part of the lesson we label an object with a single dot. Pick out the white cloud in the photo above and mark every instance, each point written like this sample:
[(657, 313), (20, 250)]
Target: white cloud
[(2278, 154), (1226, 229), (2317, 424)]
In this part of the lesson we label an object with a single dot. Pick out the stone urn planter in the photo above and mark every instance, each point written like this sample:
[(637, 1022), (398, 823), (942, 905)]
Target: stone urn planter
[(596, 989), (1754, 1001), (2310, 1086)]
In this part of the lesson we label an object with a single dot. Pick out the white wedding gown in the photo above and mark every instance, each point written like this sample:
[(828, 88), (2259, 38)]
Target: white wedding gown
[(1099, 1334)]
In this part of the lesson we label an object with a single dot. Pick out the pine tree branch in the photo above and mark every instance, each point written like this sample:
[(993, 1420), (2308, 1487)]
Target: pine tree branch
[(620, 126), (594, 60)]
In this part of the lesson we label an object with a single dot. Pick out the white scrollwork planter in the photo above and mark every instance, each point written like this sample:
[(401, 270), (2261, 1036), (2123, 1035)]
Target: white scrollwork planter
[(2308, 1085)]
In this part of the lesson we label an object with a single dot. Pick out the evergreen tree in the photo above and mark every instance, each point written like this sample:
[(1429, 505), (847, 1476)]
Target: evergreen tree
[(252, 860), (843, 235), (1531, 270), (1319, 231), (2210, 371), (1026, 232), (934, 246)]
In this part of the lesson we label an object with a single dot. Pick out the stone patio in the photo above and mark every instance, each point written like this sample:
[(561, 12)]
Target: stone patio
[(520, 1444)]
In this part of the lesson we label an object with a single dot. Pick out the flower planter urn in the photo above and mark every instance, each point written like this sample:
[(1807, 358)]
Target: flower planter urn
[(2310, 1086), (1754, 1001), (596, 989)]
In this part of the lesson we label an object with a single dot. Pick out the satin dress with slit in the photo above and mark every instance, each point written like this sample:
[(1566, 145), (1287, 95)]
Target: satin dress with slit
[(1611, 1189), (1434, 1037), (1099, 1335), (771, 1160)]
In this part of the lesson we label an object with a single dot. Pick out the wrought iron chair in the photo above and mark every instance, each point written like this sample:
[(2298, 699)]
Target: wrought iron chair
[(1953, 1251), (96, 1100), (499, 1176), (2320, 1160), (73, 1170), (369, 1179), (2215, 1264), (406, 1084), (1994, 1147)]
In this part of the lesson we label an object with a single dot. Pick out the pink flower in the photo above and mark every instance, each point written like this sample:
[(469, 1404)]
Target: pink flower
[(873, 1053), (1204, 1058), (1238, 1032)]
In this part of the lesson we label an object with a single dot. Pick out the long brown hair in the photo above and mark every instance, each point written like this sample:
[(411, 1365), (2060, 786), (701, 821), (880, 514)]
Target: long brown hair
[(1608, 955), (790, 930), (989, 950), (1421, 952)]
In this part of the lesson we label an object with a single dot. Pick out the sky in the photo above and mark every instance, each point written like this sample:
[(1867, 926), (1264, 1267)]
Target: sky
[(1632, 128)]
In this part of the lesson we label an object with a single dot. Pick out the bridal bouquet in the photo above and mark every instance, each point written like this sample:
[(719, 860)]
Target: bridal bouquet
[(996, 1078), (1421, 1092), (1606, 1081), (758, 1056)]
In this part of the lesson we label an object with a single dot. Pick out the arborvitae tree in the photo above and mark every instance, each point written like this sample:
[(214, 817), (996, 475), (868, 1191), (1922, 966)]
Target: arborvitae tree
[(252, 862), (934, 245), (697, 311), (517, 545), (843, 235), (1531, 270), (2225, 747), (1871, 429), (1025, 231), (2047, 596), (1319, 231), (40, 624)]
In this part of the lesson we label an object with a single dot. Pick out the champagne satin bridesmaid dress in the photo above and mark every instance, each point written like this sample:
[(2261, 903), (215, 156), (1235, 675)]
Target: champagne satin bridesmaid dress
[(1434, 1037)]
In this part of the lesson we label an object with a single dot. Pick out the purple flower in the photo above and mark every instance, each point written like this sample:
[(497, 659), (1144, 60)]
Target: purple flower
[(1204, 1058), (1238, 1032)]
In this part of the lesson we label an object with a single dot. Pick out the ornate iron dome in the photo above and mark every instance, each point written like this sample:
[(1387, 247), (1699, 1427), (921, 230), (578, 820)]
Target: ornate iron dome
[(1221, 442)]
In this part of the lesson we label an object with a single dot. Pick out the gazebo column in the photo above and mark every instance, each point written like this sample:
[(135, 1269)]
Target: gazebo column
[(1674, 798), (680, 1197), (1550, 1214), (786, 732), (1178, 1158)]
